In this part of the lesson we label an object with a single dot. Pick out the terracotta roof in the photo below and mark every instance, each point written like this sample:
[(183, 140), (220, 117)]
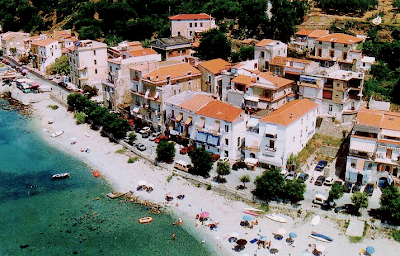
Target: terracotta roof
[(290, 112), (339, 38), (277, 81), (242, 79), (215, 66), (391, 121), (143, 52), (221, 111), (196, 103), (67, 49), (44, 42), (264, 42), (281, 61), (174, 71), (312, 33), (248, 41), (200, 16), (378, 118)]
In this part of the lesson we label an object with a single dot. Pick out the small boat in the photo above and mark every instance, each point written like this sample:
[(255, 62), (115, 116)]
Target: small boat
[(56, 134), (275, 217), (59, 176), (253, 210), (251, 213), (145, 220), (321, 237)]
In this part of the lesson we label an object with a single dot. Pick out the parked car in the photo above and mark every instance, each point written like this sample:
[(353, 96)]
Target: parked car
[(347, 208), (140, 146), (320, 180), (328, 205), (239, 165), (186, 150), (291, 175), (153, 136), (356, 187), (321, 165), (347, 186), (161, 138), (145, 129), (303, 177), (145, 134), (328, 181), (369, 189)]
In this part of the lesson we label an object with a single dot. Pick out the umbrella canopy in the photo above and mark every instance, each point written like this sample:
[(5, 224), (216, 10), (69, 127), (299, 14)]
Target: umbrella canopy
[(233, 234), (205, 215), (292, 235), (320, 247), (370, 249), (241, 242), (142, 183), (247, 217), (281, 231)]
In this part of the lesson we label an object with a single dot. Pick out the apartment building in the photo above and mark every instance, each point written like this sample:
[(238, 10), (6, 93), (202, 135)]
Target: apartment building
[(172, 48), (45, 53), (374, 151), (291, 68), (267, 49), (211, 71), (191, 25), (304, 39), (14, 40)]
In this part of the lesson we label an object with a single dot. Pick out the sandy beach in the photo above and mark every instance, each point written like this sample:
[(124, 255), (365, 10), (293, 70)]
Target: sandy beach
[(123, 177)]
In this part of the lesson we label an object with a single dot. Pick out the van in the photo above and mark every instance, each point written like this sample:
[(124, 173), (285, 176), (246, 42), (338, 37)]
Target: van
[(182, 165), (319, 199)]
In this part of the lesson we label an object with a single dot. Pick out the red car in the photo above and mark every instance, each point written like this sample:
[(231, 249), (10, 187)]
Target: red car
[(161, 138), (186, 150), (215, 157)]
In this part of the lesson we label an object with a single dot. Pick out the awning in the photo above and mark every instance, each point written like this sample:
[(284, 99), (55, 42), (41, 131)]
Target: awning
[(360, 164), (201, 123), (253, 122), (292, 73), (136, 109), (179, 118), (270, 129), (213, 140), (216, 127), (390, 133), (252, 98), (251, 161), (188, 120), (201, 136), (362, 146), (157, 95)]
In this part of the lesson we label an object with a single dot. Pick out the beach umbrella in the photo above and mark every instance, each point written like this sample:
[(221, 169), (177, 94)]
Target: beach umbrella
[(370, 250), (281, 231), (96, 174), (205, 215), (241, 242), (142, 183), (233, 234), (292, 235), (262, 238), (320, 248), (247, 218)]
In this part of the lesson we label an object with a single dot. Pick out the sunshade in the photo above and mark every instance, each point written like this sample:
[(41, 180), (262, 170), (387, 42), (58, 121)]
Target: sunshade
[(233, 234), (205, 215), (247, 218), (142, 183), (280, 231), (320, 247), (370, 249), (241, 242), (292, 235)]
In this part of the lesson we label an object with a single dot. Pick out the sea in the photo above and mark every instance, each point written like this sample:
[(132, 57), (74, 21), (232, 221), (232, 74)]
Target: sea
[(73, 216)]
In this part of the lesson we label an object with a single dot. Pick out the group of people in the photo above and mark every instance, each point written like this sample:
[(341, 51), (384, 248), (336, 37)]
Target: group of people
[(246, 224), (178, 223), (263, 244)]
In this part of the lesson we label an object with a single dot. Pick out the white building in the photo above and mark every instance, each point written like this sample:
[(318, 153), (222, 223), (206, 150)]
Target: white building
[(191, 25), (14, 40), (304, 40), (267, 49), (45, 52), (88, 63), (272, 138)]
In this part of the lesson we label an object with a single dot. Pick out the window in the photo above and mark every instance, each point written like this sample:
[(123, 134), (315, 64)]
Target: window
[(201, 24), (190, 33), (319, 42), (209, 79), (344, 55), (332, 53), (179, 33), (95, 62), (332, 45), (276, 71), (301, 133), (190, 24), (306, 128), (226, 142), (110, 68), (226, 128), (238, 141), (302, 121), (95, 71), (313, 124), (294, 139), (195, 24), (319, 53), (262, 54), (272, 144), (94, 52), (226, 153)]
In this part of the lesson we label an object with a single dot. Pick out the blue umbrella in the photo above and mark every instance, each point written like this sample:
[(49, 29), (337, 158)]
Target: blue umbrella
[(370, 249), (263, 238), (292, 235), (247, 218)]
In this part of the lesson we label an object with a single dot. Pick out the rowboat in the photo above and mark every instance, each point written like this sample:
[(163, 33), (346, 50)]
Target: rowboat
[(275, 217), (253, 210), (321, 237), (251, 213), (56, 134), (58, 176), (145, 220)]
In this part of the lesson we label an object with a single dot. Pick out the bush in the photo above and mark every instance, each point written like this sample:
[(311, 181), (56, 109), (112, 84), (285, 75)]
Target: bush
[(121, 151), (80, 118), (396, 235), (132, 159), (53, 107)]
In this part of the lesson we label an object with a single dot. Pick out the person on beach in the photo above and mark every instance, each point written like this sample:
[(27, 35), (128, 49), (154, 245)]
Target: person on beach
[(173, 236)]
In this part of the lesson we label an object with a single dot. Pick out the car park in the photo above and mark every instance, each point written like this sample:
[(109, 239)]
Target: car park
[(321, 165), (320, 180), (356, 187), (328, 181), (303, 177), (369, 189), (347, 186), (347, 208), (239, 165), (140, 147)]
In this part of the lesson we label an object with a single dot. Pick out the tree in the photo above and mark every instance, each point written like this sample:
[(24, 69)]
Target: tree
[(213, 45), (13, 50), (90, 32), (91, 91), (292, 162), (60, 66), (336, 191), (245, 179), (390, 204), (359, 200), (223, 169), (165, 151), (269, 184), (294, 190), (202, 162), (131, 138)]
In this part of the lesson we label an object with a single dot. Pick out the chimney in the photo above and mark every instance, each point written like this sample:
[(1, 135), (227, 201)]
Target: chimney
[(291, 116)]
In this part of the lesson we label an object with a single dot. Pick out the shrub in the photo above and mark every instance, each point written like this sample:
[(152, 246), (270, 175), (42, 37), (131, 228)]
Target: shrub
[(54, 107), (396, 235), (133, 159), (121, 151), (80, 117), (209, 187)]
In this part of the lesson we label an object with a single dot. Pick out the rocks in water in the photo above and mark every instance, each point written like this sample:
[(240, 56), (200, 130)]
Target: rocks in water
[(24, 246)]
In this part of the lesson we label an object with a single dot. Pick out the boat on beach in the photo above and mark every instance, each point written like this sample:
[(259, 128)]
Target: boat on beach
[(253, 209), (275, 217), (251, 213), (321, 237), (145, 220), (59, 176), (56, 134)]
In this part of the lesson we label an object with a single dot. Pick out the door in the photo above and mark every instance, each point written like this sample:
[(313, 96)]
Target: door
[(389, 153), (359, 178)]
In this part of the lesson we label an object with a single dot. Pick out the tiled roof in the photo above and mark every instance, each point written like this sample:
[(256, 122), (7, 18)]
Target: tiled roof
[(248, 41), (391, 121), (44, 42), (215, 66), (264, 42), (290, 112), (196, 102), (378, 118), (312, 33), (281, 61), (339, 38), (144, 52), (67, 49), (174, 71), (170, 41), (221, 111), (242, 79), (200, 16), (277, 81)]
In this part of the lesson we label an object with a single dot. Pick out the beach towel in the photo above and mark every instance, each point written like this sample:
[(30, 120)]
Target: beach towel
[(254, 240)]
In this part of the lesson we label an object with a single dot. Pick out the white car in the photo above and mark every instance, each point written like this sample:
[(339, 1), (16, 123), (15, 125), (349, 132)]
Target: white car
[(329, 181), (145, 130)]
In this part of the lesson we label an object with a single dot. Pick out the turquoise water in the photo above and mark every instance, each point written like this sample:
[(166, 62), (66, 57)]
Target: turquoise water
[(72, 216)]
